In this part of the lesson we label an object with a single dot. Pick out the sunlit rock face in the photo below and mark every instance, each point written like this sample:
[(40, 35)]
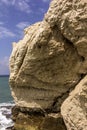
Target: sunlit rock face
[(44, 65), (74, 108), (51, 60), (70, 16)]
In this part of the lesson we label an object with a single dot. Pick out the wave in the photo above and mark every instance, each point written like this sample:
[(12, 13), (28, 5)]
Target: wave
[(5, 115)]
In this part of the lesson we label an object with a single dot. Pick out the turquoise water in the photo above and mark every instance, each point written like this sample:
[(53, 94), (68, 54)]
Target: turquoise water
[(6, 103), (5, 95)]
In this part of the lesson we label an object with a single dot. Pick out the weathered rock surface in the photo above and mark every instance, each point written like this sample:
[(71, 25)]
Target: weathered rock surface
[(51, 59), (74, 108), (70, 16), (44, 66), (27, 119)]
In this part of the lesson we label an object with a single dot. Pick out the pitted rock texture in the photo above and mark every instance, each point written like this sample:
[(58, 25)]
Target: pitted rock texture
[(70, 16), (44, 65), (51, 59), (74, 108)]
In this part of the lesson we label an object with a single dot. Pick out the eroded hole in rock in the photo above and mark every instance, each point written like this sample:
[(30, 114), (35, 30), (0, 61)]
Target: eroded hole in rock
[(82, 76), (37, 46), (82, 58)]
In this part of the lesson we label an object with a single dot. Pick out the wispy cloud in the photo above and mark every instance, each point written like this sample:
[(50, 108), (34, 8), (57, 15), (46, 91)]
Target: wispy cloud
[(22, 25), (4, 32), (4, 65), (22, 5), (20, 28)]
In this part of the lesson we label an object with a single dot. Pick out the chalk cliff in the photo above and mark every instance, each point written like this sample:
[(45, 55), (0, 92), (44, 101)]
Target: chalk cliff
[(46, 65)]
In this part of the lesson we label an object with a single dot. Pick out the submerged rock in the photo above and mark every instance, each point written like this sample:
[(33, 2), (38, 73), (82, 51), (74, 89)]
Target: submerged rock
[(47, 64)]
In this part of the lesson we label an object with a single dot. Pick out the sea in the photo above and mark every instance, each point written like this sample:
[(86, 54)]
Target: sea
[(6, 104)]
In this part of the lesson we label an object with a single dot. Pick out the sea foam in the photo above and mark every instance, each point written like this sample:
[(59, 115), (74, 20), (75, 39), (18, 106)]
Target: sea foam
[(5, 115)]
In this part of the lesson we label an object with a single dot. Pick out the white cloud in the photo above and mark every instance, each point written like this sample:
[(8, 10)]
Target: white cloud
[(4, 32), (20, 28), (22, 5), (22, 25), (4, 65)]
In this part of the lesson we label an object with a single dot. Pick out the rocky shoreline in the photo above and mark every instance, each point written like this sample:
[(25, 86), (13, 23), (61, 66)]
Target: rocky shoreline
[(6, 122), (32, 119), (10, 128)]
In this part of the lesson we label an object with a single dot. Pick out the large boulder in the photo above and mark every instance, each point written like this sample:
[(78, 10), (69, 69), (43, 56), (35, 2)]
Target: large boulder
[(74, 108), (43, 67)]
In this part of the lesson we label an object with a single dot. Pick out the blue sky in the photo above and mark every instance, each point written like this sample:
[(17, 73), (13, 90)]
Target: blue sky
[(15, 15)]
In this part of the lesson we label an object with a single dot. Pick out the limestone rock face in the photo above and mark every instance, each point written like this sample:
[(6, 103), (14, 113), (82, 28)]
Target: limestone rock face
[(51, 59), (71, 18), (74, 108), (44, 65)]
